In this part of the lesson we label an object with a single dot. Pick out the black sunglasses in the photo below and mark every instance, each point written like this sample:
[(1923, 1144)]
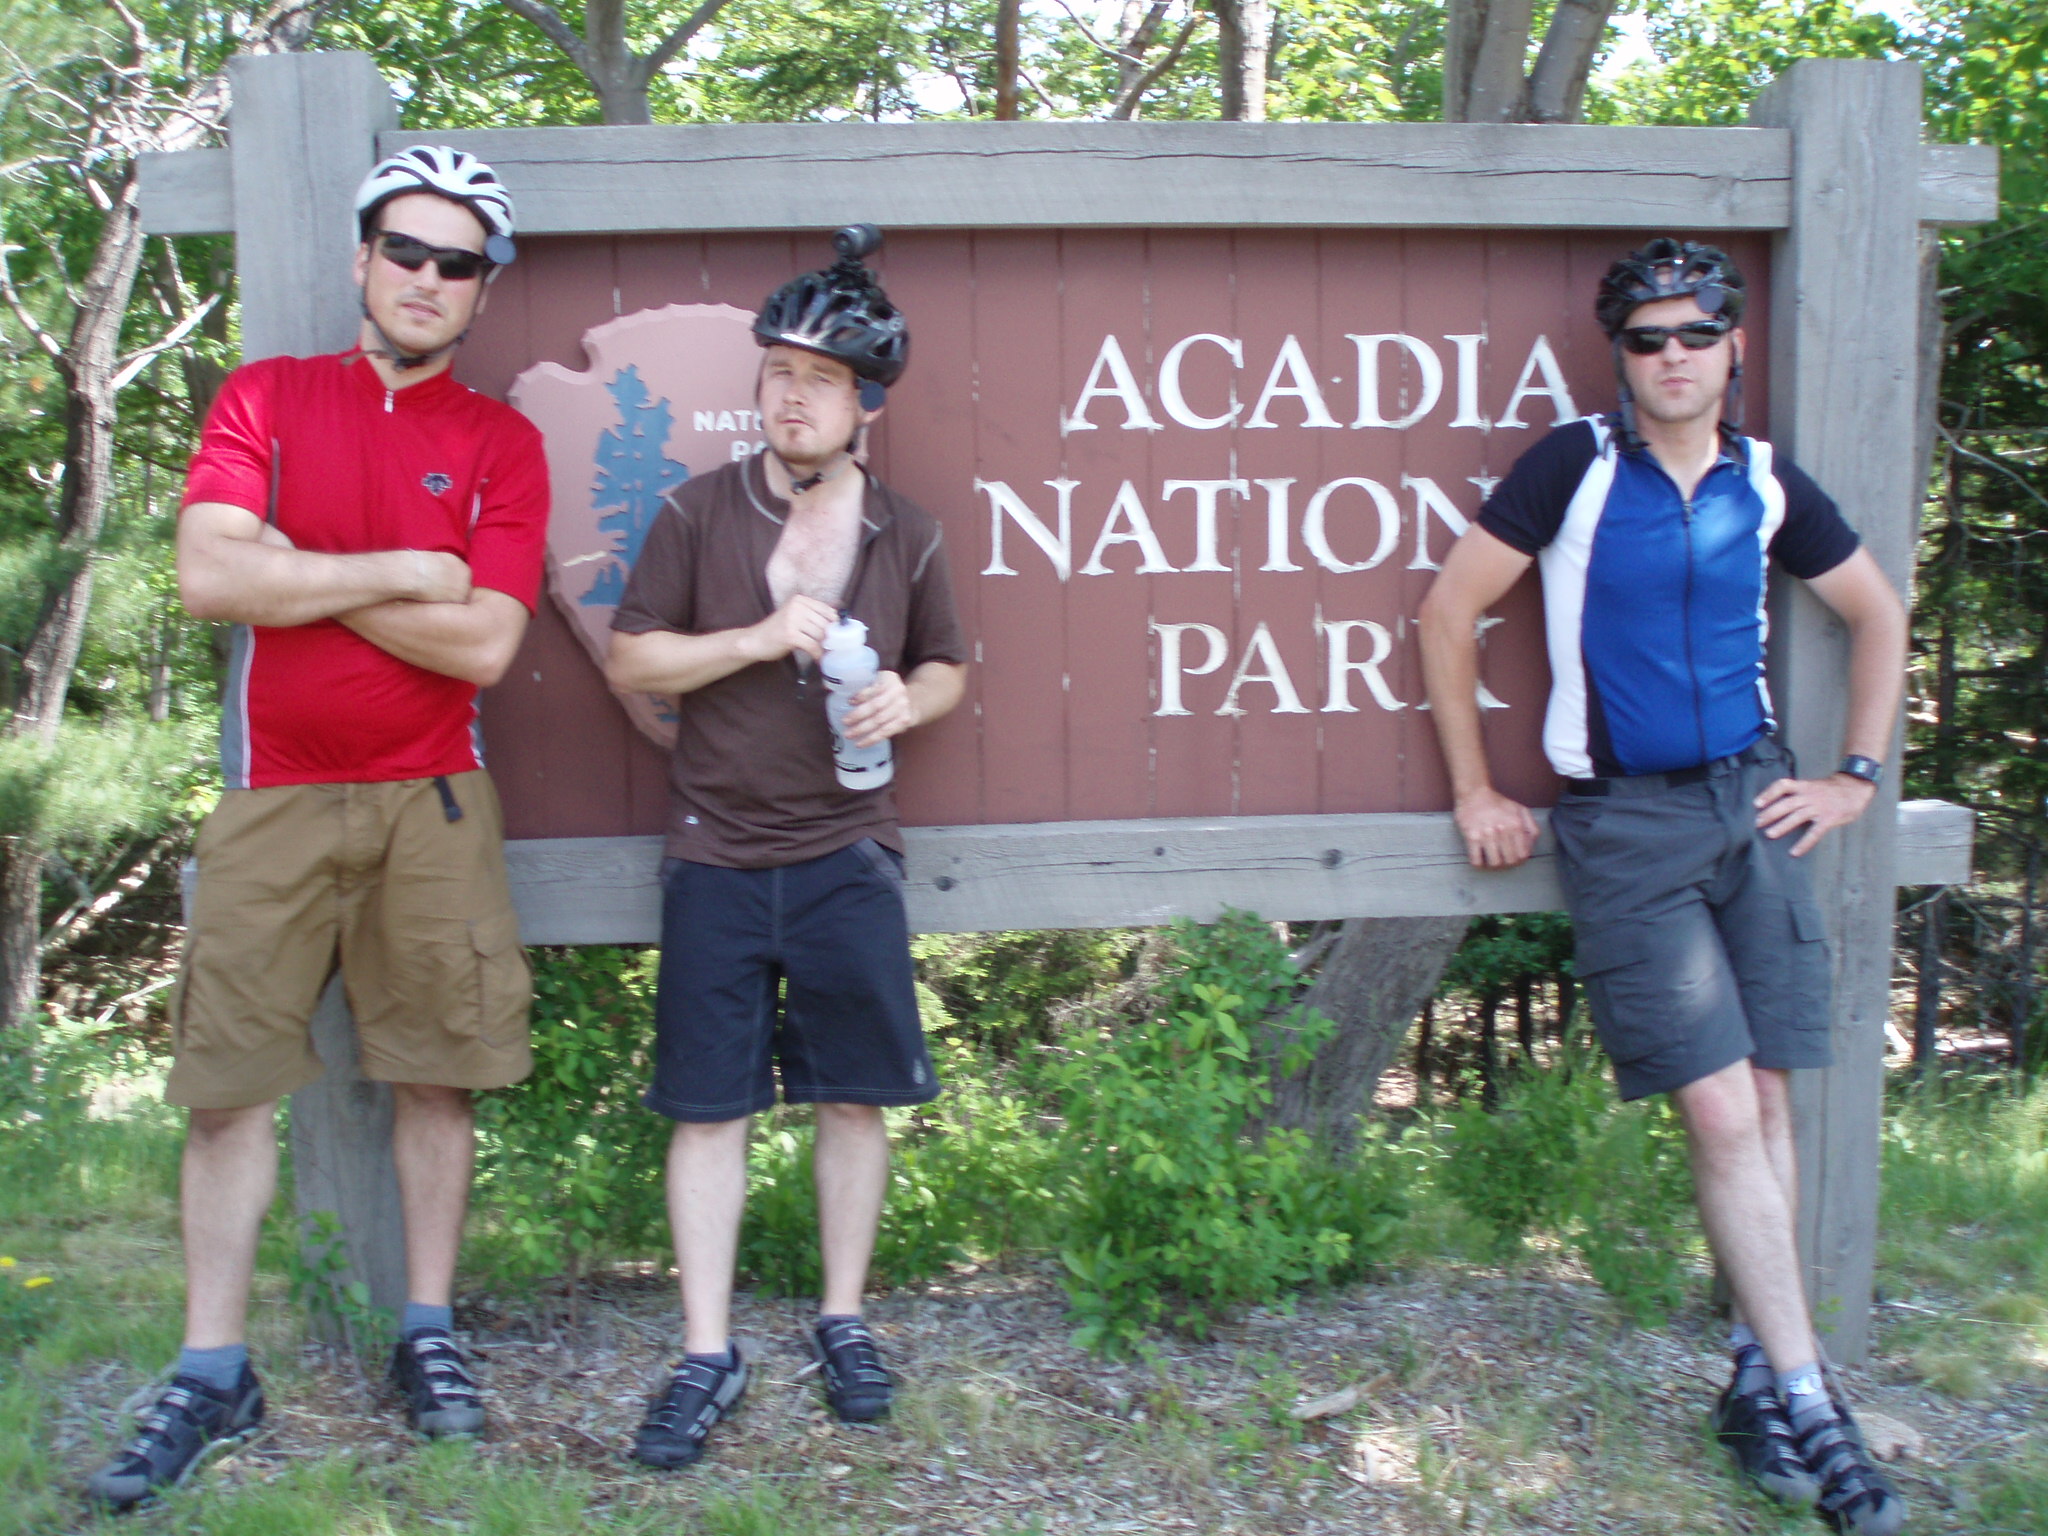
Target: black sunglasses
[(453, 263), (1694, 336)]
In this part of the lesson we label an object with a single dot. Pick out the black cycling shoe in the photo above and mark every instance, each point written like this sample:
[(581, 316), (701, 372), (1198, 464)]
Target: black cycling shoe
[(188, 1424), (857, 1385), (679, 1418), (441, 1397), (1854, 1496), (1753, 1428)]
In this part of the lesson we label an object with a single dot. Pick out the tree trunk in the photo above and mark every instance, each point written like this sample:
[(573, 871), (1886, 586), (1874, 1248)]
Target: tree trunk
[(1486, 45), (1007, 60), (1557, 85), (88, 365), (1244, 38), (1372, 985), (1489, 1049), (1927, 985), (91, 358), (1498, 92)]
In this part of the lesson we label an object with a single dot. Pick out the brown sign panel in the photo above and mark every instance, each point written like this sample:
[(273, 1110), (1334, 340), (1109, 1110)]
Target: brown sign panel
[(1194, 484)]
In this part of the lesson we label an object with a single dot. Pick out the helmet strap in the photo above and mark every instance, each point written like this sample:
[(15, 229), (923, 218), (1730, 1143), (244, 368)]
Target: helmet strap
[(1731, 402), (1625, 407), (396, 355), (797, 487)]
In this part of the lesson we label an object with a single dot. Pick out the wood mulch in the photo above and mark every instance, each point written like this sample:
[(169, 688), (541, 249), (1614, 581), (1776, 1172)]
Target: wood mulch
[(1483, 1401)]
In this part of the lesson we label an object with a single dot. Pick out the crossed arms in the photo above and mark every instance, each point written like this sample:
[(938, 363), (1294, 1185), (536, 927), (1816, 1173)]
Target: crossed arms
[(416, 604), (1500, 832)]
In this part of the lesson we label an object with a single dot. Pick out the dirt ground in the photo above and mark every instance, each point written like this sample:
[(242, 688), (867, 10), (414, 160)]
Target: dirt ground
[(1483, 1402)]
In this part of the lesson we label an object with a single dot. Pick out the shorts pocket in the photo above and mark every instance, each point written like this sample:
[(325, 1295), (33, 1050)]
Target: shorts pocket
[(885, 862), (1631, 989), (504, 983)]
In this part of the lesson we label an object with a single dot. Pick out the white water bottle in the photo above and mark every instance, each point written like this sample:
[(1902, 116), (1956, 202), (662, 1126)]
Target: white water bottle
[(849, 665)]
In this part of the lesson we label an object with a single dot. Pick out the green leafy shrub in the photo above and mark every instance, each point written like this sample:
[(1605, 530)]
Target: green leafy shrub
[(969, 1177), (999, 990), (570, 1163), (1180, 1205), (27, 1305), (1609, 1180)]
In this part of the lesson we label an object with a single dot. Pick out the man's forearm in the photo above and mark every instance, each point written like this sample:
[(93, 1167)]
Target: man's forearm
[(242, 581), (1877, 671), (473, 641), (935, 688), (661, 661), (1450, 673)]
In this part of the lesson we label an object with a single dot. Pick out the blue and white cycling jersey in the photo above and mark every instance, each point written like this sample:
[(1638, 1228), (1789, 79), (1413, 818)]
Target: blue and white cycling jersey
[(1654, 604)]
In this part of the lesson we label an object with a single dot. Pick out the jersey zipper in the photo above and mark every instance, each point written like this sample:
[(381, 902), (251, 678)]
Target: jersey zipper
[(1692, 676), (387, 402)]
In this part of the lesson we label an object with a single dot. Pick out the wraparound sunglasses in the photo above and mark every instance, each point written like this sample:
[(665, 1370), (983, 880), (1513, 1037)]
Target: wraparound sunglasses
[(453, 263), (1694, 336)]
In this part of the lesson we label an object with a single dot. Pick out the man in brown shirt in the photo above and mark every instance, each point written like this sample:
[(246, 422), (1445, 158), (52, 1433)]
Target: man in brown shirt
[(784, 942)]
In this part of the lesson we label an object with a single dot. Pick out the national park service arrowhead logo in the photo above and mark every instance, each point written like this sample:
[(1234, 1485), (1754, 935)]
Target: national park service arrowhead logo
[(669, 393)]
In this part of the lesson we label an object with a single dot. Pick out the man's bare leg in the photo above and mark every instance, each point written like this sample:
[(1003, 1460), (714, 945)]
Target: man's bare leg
[(226, 1183), (852, 1175), (707, 1194), (1774, 1111), (433, 1142), (1745, 1210)]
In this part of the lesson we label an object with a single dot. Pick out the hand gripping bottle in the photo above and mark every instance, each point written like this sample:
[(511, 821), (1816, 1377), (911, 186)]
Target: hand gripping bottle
[(849, 665)]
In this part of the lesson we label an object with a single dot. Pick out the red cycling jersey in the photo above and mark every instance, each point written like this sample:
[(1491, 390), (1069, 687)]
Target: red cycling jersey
[(320, 448)]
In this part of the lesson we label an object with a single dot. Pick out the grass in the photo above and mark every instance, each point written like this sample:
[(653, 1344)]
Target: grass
[(1496, 1399)]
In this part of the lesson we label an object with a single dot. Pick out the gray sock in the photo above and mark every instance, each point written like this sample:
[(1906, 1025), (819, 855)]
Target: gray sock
[(219, 1367), (1805, 1394), (420, 1315)]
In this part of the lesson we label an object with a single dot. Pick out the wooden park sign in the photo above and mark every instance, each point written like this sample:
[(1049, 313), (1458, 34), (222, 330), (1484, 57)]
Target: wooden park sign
[(1200, 407)]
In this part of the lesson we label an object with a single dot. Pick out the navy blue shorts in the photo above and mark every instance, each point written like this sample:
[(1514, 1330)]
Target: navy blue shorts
[(803, 971)]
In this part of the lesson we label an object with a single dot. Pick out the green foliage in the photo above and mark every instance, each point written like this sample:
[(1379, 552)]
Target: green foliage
[(999, 989), (316, 1271), (1609, 1180), (570, 1162), (27, 1305), (970, 1176), (1180, 1206), (1499, 951)]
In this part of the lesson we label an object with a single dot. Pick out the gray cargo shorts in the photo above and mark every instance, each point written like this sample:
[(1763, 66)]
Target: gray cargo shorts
[(1698, 940)]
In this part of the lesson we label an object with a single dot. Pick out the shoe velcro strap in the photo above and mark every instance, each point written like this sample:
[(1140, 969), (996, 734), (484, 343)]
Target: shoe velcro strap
[(850, 1354)]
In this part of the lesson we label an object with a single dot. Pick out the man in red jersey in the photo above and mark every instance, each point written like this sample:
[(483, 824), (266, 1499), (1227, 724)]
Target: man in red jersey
[(374, 531)]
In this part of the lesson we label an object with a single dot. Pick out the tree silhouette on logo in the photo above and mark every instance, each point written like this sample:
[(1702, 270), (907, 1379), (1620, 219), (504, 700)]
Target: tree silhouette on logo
[(634, 474)]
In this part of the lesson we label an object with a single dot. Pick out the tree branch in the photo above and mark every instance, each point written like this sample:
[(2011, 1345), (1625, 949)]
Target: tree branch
[(1557, 85), (558, 32), (672, 45), (22, 316), (137, 361), (1127, 103)]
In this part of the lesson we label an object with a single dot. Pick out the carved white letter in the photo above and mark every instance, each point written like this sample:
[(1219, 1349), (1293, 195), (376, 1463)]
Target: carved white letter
[(1122, 385), (1426, 362), (1277, 558), (1261, 647), (1544, 361), (1304, 388), (1128, 509), (1170, 669), (1469, 414), (1429, 497), (1059, 548), (1206, 492), (1337, 639), (1176, 403), (1315, 532)]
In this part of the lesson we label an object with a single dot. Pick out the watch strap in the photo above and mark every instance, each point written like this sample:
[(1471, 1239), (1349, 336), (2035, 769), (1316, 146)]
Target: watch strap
[(1868, 769)]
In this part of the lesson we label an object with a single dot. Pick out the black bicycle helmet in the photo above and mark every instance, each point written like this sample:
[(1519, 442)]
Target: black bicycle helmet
[(1669, 269), (841, 312)]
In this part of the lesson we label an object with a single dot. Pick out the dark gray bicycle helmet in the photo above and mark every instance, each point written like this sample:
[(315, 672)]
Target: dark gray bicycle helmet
[(841, 312), (1669, 269)]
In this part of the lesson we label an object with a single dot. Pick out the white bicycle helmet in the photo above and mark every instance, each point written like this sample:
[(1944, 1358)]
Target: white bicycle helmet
[(452, 173)]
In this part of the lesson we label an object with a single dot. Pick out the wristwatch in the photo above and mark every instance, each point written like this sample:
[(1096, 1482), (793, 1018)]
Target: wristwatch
[(1868, 769)]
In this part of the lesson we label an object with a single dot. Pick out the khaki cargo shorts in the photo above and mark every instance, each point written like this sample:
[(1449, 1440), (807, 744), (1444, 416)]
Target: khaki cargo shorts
[(374, 878)]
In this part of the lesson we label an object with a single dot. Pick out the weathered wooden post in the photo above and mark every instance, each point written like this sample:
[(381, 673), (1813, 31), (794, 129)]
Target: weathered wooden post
[(303, 132), (1845, 395)]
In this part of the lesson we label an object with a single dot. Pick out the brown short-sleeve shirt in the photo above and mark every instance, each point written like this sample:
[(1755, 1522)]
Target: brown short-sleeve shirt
[(751, 778)]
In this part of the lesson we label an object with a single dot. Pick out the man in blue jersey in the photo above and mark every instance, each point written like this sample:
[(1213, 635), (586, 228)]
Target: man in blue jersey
[(1683, 821)]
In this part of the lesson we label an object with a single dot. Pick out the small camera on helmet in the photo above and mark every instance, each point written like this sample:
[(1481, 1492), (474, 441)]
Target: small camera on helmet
[(857, 241)]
